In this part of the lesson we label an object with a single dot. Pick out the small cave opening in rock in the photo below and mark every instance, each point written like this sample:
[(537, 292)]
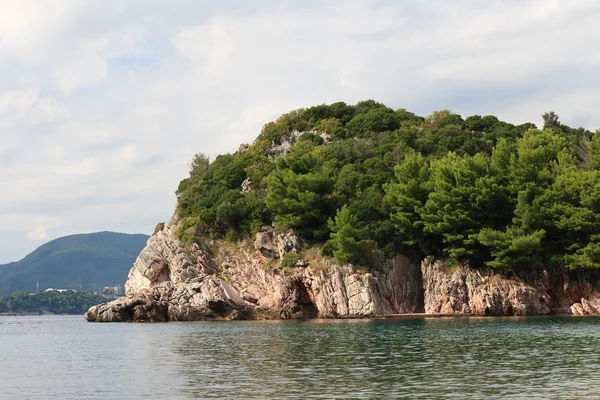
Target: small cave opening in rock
[(420, 301), (305, 306)]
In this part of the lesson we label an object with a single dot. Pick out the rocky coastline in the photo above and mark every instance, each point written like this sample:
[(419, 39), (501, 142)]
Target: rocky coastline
[(173, 281)]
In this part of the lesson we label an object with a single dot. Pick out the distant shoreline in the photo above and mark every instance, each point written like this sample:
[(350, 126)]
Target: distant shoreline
[(33, 314)]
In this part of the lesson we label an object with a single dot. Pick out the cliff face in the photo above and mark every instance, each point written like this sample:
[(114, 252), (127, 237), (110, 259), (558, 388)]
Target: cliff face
[(464, 290), (174, 282)]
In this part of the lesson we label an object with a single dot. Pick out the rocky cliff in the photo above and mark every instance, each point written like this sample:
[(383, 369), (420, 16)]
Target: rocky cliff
[(462, 290), (171, 281)]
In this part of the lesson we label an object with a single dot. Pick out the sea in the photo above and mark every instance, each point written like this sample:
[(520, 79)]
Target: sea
[(65, 357)]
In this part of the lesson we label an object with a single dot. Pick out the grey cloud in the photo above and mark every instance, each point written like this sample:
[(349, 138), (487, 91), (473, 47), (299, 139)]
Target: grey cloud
[(127, 93), (55, 206), (7, 156)]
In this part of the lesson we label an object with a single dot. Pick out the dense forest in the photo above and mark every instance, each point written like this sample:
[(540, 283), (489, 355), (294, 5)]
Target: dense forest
[(364, 181), (50, 302)]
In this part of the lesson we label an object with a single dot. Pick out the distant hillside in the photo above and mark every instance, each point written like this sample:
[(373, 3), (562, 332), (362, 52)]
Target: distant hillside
[(92, 260)]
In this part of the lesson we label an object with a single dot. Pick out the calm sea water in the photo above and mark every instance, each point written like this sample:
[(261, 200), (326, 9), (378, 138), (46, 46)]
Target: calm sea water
[(462, 358)]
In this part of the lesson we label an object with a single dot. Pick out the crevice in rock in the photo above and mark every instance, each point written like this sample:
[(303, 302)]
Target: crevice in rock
[(220, 307), (420, 296), (419, 279), (420, 300), (298, 303), (305, 300)]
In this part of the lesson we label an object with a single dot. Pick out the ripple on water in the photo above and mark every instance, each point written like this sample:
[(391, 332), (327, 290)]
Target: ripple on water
[(466, 358)]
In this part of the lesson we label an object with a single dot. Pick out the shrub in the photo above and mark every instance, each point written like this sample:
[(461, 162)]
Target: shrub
[(159, 227), (290, 259)]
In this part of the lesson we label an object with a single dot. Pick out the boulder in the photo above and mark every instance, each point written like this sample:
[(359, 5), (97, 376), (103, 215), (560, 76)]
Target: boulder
[(208, 299), (246, 185), (585, 307), (282, 148), (276, 245), (138, 308), (166, 259)]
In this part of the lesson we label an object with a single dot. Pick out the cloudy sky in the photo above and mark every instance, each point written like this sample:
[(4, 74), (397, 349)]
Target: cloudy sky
[(103, 103)]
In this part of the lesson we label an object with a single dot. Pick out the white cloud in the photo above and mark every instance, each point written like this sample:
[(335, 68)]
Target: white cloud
[(17, 100), (128, 154), (28, 108), (84, 167), (210, 45), (85, 65), (37, 234), (29, 30), (103, 105)]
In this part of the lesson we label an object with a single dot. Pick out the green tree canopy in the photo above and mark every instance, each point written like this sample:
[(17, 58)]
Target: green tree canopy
[(366, 181)]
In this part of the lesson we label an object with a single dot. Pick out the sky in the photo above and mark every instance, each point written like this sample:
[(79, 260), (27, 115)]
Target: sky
[(104, 103)]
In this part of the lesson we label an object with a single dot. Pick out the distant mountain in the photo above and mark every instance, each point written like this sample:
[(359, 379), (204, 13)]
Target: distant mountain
[(92, 260)]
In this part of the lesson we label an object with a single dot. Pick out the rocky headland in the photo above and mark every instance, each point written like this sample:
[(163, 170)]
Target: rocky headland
[(172, 281), (316, 217)]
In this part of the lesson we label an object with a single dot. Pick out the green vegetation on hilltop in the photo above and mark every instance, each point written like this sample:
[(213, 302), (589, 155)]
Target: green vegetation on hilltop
[(91, 260), (49, 302), (365, 181)]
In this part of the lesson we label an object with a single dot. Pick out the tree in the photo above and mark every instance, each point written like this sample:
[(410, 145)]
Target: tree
[(298, 191), (512, 248), (406, 198), (199, 165), (594, 148), (299, 201), (479, 190), (375, 120), (348, 248), (466, 197), (551, 120), (570, 210), (537, 153)]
